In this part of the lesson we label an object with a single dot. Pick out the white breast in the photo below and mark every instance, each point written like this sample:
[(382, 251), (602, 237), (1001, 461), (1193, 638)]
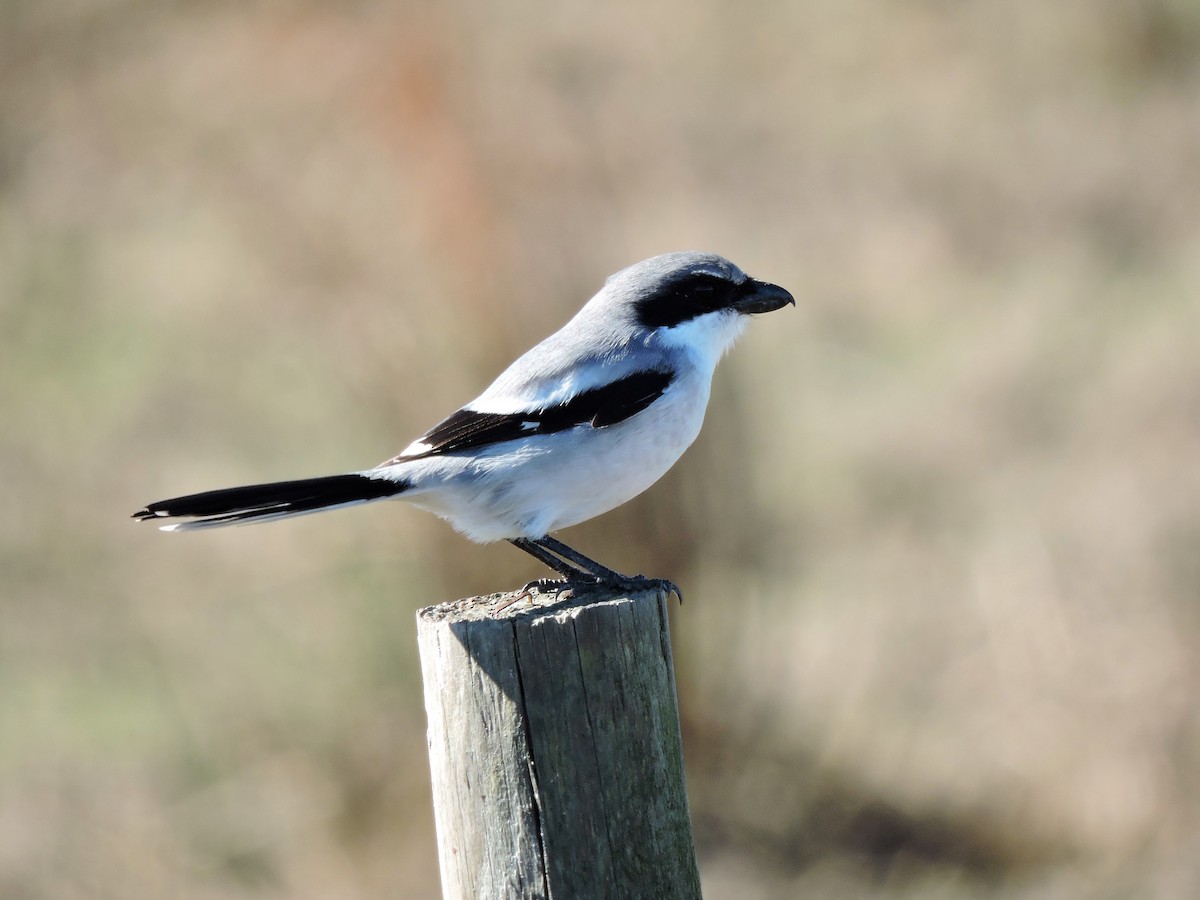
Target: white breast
[(530, 488)]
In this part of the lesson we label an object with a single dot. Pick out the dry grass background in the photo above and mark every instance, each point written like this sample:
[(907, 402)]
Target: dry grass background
[(941, 536)]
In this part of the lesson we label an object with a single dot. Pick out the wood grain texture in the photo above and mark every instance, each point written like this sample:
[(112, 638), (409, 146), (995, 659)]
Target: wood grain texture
[(555, 749)]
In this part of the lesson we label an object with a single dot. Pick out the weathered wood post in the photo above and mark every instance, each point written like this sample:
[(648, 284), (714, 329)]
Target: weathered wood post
[(555, 748)]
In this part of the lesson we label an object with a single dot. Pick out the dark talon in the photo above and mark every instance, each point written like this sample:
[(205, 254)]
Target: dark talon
[(661, 584), (577, 569), (513, 601), (549, 585), (670, 587), (541, 586), (555, 587)]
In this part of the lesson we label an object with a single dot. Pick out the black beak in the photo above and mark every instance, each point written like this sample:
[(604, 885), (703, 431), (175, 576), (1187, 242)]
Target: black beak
[(760, 297)]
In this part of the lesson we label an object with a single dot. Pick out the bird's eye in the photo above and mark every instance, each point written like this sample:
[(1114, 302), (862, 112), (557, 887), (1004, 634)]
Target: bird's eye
[(704, 288), (684, 299)]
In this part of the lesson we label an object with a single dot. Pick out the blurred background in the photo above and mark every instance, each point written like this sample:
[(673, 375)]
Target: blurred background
[(940, 537)]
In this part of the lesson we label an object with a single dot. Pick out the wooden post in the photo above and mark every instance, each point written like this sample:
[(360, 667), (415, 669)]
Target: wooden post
[(555, 748)]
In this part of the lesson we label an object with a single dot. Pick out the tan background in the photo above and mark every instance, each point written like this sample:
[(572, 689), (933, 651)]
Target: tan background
[(939, 537)]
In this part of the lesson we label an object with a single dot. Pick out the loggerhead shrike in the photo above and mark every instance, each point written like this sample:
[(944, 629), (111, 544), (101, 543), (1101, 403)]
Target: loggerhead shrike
[(583, 422)]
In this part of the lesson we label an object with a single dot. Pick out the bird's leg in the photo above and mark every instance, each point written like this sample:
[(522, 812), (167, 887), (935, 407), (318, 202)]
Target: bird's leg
[(584, 563), (547, 557), (570, 574), (603, 573), (575, 568)]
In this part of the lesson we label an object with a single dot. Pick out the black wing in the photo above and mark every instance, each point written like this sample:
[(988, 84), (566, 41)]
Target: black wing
[(597, 407)]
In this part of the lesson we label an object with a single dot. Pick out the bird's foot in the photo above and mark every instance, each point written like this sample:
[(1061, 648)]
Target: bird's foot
[(562, 588), (558, 588), (580, 571), (621, 582), (641, 583), (555, 586)]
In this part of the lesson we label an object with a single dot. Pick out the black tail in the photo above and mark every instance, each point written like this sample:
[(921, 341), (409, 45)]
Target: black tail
[(263, 502)]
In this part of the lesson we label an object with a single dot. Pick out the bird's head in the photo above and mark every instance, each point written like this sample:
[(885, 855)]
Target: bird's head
[(697, 301)]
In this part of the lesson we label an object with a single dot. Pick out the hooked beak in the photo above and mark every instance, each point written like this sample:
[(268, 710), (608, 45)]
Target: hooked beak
[(760, 297)]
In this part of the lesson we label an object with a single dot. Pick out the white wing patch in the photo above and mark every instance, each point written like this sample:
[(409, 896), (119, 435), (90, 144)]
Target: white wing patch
[(416, 448)]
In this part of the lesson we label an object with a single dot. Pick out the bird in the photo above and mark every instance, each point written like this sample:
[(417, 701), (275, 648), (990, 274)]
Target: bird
[(583, 422)]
